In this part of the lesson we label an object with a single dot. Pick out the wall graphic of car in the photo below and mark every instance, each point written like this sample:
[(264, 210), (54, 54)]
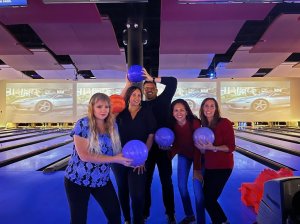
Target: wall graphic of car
[(195, 99), (260, 102), (44, 103)]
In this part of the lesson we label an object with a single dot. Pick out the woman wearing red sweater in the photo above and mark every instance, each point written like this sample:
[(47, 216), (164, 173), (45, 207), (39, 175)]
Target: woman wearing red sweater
[(218, 157), (183, 123)]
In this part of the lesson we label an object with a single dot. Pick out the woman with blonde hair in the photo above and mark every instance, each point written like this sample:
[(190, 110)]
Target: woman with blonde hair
[(96, 146)]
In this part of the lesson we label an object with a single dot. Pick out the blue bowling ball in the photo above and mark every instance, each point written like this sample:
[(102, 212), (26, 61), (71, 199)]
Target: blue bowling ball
[(164, 137), (135, 73), (204, 134), (137, 151)]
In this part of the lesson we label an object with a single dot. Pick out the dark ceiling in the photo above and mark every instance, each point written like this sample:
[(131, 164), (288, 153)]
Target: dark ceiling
[(118, 13), (149, 14)]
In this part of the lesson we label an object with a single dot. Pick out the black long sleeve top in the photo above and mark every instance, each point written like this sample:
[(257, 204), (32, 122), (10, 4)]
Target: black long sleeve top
[(161, 105)]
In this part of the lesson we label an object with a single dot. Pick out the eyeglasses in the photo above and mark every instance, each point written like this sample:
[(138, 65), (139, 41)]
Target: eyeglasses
[(149, 88)]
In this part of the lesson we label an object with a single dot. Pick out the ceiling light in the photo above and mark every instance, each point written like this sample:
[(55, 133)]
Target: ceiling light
[(212, 74)]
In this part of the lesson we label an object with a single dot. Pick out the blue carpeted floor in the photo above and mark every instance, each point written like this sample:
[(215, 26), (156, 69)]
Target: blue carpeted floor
[(34, 197)]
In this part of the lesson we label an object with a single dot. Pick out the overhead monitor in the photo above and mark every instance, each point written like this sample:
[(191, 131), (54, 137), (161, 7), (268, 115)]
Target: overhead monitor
[(13, 3), (93, 1)]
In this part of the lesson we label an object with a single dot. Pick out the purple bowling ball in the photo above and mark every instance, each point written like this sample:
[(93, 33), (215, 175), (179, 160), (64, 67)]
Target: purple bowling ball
[(164, 137), (135, 73), (204, 134), (137, 151)]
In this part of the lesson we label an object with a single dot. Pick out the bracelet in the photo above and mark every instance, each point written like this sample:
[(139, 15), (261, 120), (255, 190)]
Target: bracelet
[(153, 79)]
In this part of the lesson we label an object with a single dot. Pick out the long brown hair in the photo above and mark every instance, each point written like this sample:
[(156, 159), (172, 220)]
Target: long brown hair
[(109, 125), (189, 114), (216, 117)]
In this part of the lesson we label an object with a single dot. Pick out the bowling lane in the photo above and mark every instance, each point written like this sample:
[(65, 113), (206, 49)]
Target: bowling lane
[(242, 162), (4, 130), (289, 129), (278, 156), (29, 140), (26, 135), (15, 133), (40, 160), (282, 132), (268, 140), (34, 147), (271, 134)]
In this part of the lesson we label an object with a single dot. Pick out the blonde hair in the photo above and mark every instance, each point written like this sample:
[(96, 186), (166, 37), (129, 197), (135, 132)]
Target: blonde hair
[(109, 125)]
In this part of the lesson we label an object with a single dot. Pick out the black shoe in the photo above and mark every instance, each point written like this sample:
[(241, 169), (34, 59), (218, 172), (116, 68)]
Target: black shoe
[(171, 219), (145, 219), (188, 220)]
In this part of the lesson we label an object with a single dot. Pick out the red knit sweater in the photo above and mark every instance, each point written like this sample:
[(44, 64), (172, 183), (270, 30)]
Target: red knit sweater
[(224, 135), (184, 144)]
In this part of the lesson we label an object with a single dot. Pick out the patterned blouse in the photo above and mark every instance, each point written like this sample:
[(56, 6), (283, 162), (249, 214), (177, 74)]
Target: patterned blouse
[(86, 173)]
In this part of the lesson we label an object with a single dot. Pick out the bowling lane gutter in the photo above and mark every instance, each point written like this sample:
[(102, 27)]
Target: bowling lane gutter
[(33, 153), (55, 166), (261, 159)]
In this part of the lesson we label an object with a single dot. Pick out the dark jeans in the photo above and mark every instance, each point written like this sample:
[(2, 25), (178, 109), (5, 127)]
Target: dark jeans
[(164, 165), (78, 197), (214, 182), (133, 185)]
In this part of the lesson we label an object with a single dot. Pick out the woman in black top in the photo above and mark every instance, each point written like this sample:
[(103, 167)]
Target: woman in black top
[(135, 123)]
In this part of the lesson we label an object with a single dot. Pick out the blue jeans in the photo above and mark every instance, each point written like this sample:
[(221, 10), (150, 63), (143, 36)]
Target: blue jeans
[(199, 200), (183, 170)]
